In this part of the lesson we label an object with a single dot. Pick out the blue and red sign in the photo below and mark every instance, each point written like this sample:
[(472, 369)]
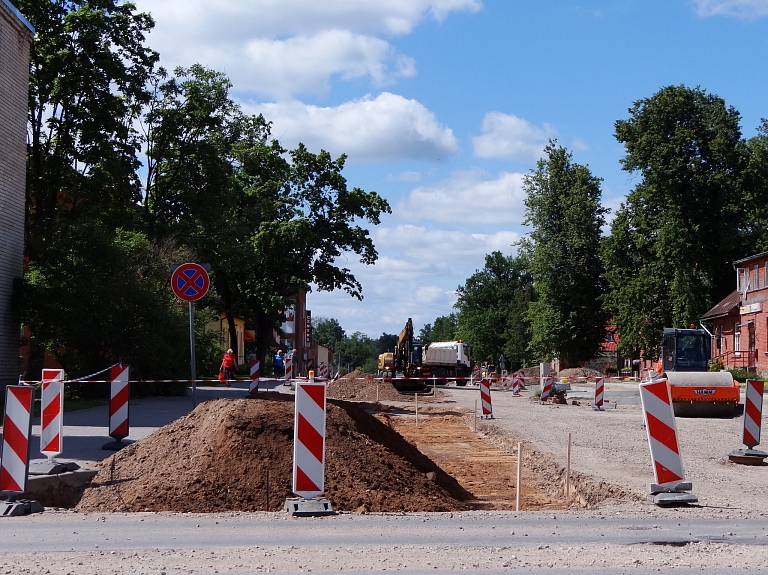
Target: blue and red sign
[(190, 282)]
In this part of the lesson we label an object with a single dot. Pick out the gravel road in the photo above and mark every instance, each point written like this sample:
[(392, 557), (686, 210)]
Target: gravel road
[(611, 445), (610, 540)]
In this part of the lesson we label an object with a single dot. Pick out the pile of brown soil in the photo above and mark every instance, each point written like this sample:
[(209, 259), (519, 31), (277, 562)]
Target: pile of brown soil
[(354, 389), (216, 459), (579, 372)]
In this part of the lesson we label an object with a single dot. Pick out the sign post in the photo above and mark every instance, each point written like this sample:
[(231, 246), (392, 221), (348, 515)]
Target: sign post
[(190, 282)]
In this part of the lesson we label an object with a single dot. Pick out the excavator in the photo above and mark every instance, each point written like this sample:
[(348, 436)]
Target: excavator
[(696, 391), (405, 360)]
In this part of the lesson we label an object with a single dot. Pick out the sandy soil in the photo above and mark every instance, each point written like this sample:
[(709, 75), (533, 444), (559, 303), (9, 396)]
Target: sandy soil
[(611, 446), (217, 457), (443, 435)]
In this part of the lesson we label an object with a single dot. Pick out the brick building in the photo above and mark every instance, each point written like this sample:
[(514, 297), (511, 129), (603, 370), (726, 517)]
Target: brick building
[(16, 35), (740, 320)]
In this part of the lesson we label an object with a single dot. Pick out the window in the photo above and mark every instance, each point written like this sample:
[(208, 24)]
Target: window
[(742, 280), (756, 277), (736, 339)]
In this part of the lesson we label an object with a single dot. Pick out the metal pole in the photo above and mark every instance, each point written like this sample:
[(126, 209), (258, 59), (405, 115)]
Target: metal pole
[(192, 354), (518, 486)]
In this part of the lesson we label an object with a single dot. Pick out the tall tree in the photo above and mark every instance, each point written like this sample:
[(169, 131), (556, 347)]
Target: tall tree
[(668, 257), (327, 331), (89, 67), (563, 207), (485, 302), (445, 328), (270, 221)]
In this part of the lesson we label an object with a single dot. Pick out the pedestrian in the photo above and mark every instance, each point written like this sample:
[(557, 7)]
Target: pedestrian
[(636, 368), (228, 366), (279, 364)]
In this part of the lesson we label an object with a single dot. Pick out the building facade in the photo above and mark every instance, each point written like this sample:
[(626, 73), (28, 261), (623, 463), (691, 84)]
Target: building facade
[(16, 35), (740, 320)]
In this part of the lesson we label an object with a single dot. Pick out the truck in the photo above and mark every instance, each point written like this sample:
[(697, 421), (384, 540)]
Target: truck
[(696, 391), (410, 364), (447, 360)]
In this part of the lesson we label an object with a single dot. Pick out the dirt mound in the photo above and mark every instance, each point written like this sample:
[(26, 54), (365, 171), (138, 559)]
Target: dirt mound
[(365, 390), (577, 372), (216, 459), (357, 374)]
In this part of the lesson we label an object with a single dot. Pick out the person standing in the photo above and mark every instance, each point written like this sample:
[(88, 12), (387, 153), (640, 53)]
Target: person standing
[(228, 366), (279, 364)]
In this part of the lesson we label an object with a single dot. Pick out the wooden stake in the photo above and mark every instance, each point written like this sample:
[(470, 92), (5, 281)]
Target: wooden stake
[(267, 485), (475, 416), (518, 487), (568, 468), (417, 410), (377, 393)]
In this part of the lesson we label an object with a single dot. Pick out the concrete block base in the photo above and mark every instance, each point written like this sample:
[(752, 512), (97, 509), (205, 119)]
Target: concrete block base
[(20, 507), (300, 507), (748, 456)]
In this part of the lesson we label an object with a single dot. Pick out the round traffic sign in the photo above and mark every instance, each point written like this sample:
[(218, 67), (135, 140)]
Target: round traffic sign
[(190, 282)]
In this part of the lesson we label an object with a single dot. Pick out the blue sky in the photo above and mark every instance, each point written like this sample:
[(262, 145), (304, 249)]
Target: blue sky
[(443, 105)]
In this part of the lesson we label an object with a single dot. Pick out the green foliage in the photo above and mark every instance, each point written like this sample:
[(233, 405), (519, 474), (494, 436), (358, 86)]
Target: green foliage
[(359, 351), (445, 328), (671, 245), (563, 206), (100, 297), (385, 343), (327, 331), (487, 303), (742, 375)]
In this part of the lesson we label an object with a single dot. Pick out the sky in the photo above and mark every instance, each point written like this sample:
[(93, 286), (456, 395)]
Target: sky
[(443, 106)]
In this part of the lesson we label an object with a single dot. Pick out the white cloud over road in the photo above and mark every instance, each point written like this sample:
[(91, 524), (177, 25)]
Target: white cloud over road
[(387, 127), (507, 136), (417, 277), (467, 197), (746, 9)]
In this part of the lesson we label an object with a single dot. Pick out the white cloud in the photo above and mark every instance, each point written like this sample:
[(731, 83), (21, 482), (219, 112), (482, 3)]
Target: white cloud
[(579, 145), (507, 136), (746, 9), (467, 198), (285, 47), (306, 63), (388, 127), (417, 277)]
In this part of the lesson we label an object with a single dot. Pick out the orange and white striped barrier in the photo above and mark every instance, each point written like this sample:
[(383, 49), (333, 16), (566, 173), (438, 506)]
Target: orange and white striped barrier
[(309, 449), (253, 386), (485, 398), (288, 364), (670, 487), (323, 371), (119, 397), (516, 385), (51, 413), (753, 414), (599, 394), (546, 387), (17, 428)]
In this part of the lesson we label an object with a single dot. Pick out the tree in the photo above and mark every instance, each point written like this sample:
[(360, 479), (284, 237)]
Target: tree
[(671, 245), (271, 222), (445, 329), (386, 342), (359, 351), (327, 331), (88, 73), (485, 301), (563, 207)]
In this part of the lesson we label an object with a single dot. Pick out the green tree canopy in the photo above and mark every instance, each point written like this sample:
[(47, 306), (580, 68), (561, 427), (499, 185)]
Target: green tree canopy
[(327, 331), (672, 242), (445, 328), (487, 301), (563, 207)]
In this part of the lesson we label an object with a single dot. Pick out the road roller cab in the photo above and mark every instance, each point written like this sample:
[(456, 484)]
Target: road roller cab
[(696, 391)]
